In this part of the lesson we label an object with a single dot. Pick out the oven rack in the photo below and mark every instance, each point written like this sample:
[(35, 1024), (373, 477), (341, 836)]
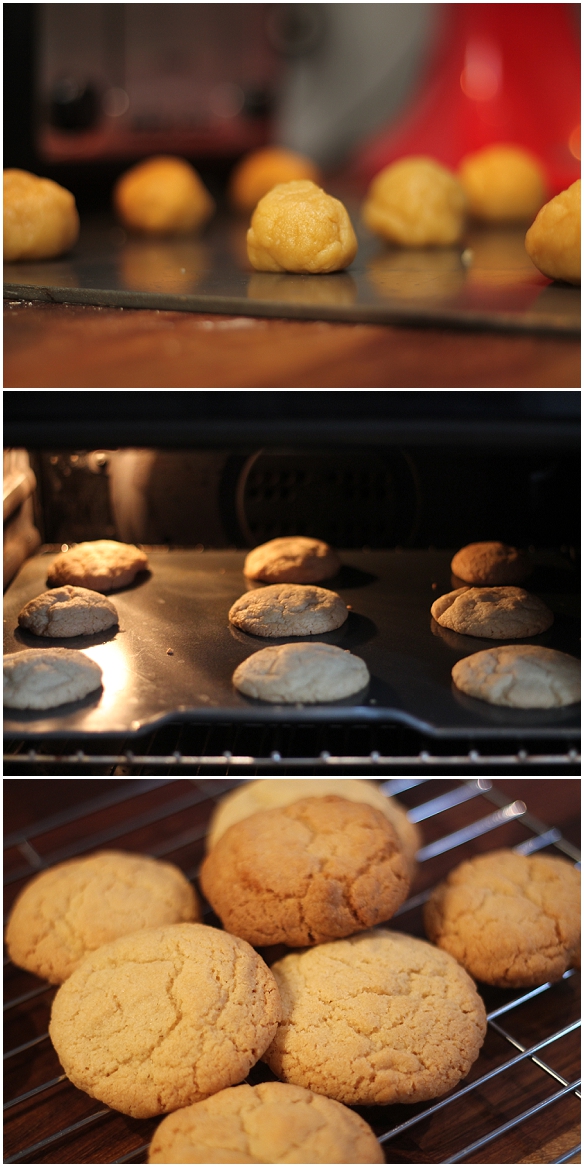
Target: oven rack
[(204, 794)]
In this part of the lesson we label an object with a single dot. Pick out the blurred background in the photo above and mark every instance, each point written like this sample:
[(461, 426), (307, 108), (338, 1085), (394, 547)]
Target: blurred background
[(90, 88)]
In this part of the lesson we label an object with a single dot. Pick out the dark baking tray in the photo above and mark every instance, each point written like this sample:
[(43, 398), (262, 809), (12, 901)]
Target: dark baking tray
[(501, 289), (183, 603)]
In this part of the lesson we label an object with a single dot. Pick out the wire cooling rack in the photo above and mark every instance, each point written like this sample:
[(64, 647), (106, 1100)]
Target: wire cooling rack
[(520, 1102)]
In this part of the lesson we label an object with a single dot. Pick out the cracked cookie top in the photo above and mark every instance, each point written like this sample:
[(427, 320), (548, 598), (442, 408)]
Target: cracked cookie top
[(499, 613), (288, 610), (378, 1018), (270, 792), (165, 1017), (510, 920), (268, 1123), (306, 873), (73, 908)]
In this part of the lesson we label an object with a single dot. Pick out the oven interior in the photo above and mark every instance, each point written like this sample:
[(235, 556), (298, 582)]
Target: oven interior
[(368, 478), (520, 1102)]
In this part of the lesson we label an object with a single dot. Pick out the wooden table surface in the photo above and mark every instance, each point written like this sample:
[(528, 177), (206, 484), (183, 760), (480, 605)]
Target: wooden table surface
[(169, 820), (86, 347)]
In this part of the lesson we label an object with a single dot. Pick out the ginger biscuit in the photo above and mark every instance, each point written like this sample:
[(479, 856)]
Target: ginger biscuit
[(165, 1017), (292, 559), (102, 564), (270, 792), (289, 610), (269, 1123), (375, 1019), (344, 871), (510, 920), (68, 611), (68, 911), (497, 613), (491, 564), (520, 676)]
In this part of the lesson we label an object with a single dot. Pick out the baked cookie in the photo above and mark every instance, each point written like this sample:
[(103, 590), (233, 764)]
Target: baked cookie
[(498, 613), (521, 676), (490, 564), (289, 610), (553, 240), (260, 170), (297, 227), (269, 1123), (71, 909), (68, 611), (292, 559), (42, 678), (162, 195), (503, 183), (40, 217), (307, 673), (344, 872), (102, 564), (165, 1017), (415, 202), (375, 1019), (510, 920), (269, 792)]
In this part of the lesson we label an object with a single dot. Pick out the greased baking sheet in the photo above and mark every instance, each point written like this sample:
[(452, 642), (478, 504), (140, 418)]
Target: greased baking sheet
[(487, 281), (174, 653)]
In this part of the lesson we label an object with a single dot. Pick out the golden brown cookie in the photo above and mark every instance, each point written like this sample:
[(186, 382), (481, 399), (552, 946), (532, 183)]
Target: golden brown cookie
[(521, 676), (497, 613), (297, 227), (305, 673), (269, 1123), (40, 217), (292, 559), (490, 564), (71, 909), (375, 1019), (102, 564), (162, 195), (288, 610), (269, 792), (510, 920), (263, 169), (344, 871), (164, 1017), (68, 611), (44, 678)]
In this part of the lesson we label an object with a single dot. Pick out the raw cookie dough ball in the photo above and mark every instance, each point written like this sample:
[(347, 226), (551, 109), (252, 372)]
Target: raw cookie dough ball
[(297, 227), (40, 217), (553, 240), (503, 184), (261, 170), (509, 920), (345, 871), (415, 202), (162, 196), (270, 792), (70, 910), (269, 1123)]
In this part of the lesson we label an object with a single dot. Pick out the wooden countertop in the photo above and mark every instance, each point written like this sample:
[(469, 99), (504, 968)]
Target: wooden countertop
[(86, 347)]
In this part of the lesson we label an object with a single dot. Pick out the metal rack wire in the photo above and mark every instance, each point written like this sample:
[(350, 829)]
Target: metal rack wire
[(133, 818)]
